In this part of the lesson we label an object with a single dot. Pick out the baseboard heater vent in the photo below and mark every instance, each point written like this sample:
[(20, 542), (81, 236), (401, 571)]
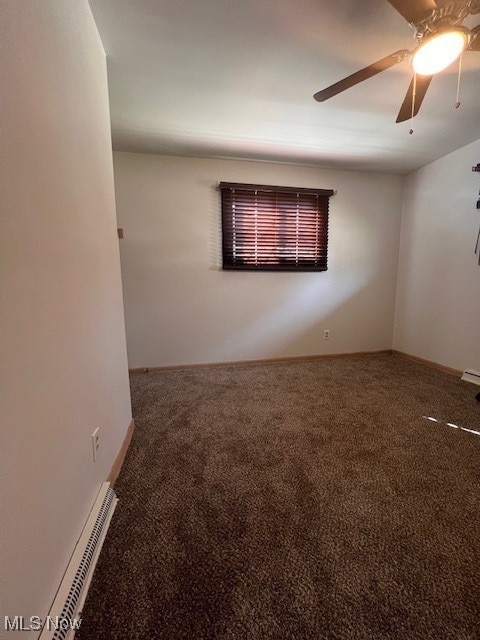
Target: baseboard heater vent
[(469, 375), (63, 619)]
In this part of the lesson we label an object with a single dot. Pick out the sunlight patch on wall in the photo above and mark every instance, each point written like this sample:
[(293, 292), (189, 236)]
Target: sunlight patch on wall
[(310, 306)]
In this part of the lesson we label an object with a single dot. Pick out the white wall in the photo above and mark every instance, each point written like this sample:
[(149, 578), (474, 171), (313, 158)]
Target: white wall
[(438, 300), (181, 308), (63, 347)]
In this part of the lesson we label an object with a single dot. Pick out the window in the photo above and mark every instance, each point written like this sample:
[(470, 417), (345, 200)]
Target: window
[(274, 228)]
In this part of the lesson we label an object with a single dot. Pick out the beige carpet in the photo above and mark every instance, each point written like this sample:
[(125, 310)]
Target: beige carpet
[(300, 501)]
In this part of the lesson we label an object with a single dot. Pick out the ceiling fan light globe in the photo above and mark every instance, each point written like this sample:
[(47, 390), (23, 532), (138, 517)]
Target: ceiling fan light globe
[(438, 52)]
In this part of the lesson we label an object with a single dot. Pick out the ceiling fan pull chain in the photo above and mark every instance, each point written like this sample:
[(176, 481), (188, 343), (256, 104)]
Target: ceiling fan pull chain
[(414, 95), (457, 103)]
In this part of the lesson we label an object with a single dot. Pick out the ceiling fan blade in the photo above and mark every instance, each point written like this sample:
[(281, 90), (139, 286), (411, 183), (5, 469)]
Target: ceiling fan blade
[(405, 113), (413, 10), (474, 40), (360, 76)]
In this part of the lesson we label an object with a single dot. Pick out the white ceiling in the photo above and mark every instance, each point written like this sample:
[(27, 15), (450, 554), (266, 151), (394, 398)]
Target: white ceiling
[(236, 78)]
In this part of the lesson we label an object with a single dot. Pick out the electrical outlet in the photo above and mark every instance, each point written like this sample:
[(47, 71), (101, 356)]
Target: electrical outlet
[(96, 443), (326, 334)]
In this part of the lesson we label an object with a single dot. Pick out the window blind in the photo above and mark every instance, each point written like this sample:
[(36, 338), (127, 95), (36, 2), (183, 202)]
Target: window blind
[(268, 228)]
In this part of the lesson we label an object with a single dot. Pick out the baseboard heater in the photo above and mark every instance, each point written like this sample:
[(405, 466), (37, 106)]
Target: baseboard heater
[(65, 613), (469, 375)]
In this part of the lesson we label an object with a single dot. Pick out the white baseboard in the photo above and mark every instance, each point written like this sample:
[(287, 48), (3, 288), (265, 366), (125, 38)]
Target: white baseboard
[(470, 375), (67, 606)]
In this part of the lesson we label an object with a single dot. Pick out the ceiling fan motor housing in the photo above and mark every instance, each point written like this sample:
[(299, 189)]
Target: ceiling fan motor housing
[(445, 17), (440, 28)]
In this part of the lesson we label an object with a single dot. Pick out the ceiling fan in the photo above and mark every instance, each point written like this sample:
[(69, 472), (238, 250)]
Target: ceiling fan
[(441, 39)]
